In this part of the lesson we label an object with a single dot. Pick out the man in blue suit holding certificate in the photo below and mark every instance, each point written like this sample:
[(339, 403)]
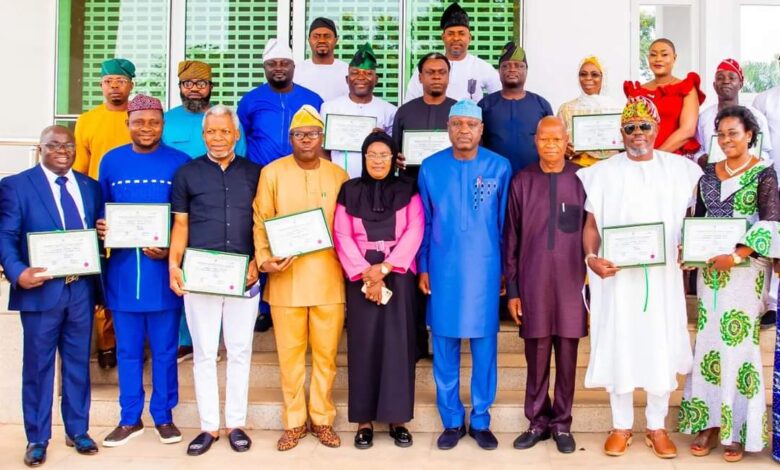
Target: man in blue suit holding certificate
[(56, 313)]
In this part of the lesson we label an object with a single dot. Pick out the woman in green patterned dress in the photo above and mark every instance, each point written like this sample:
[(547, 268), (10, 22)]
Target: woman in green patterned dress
[(724, 399)]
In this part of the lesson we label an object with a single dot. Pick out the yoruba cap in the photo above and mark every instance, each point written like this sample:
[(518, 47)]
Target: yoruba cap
[(364, 58), (732, 66), (276, 49), (454, 15), (512, 51), (194, 70), (143, 103), (117, 67), (640, 107), (466, 108), (322, 22), (307, 116)]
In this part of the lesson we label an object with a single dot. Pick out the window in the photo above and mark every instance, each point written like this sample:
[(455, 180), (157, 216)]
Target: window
[(760, 46), (676, 20)]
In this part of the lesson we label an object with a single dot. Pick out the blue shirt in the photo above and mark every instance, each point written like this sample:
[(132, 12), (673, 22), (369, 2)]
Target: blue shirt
[(135, 282), (266, 116), (510, 126), (183, 131)]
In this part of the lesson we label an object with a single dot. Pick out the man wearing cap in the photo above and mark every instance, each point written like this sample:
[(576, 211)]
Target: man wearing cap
[(98, 131), (639, 325), (464, 191), (512, 113), (267, 111), (144, 309), (470, 76), (306, 292), (360, 102), (323, 73)]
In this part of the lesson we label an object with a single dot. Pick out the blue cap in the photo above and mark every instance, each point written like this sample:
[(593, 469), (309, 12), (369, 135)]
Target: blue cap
[(466, 108)]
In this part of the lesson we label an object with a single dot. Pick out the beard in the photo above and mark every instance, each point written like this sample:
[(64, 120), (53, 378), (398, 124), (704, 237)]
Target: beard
[(195, 105), (637, 151)]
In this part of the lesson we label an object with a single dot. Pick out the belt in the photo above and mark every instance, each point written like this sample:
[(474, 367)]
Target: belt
[(381, 246), (71, 278)]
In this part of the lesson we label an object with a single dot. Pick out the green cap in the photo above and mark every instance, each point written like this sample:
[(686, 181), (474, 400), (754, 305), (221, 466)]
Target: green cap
[(117, 67), (364, 58)]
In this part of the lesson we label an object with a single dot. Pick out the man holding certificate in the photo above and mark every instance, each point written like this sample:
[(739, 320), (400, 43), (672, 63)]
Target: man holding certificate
[(306, 292), (136, 179), (56, 312), (636, 202)]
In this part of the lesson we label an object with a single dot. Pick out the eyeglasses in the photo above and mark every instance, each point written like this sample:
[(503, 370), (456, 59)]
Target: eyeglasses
[(199, 84), (379, 157), (645, 127), (297, 135), (114, 81), (57, 147)]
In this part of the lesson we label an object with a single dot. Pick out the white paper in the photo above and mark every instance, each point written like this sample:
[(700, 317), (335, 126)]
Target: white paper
[(212, 272), (347, 133), (596, 132), (298, 234), (137, 225), (66, 253), (704, 238), (634, 245), (419, 145)]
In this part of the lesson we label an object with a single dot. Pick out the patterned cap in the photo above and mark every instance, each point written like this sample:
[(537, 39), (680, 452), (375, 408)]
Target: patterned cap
[(640, 107), (142, 103), (732, 66), (466, 108)]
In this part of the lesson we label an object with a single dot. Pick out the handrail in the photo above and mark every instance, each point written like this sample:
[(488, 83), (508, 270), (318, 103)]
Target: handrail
[(31, 144)]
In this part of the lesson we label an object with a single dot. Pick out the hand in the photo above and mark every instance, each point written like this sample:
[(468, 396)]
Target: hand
[(602, 267), (176, 280), (276, 264), (425, 283), (776, 266), (721, 263), (373, 275), (28, 280), (102, 228), (156, 253), (680, 260), (502, 289), (570, 153), (252, 274), (374, 293), (401, 161), (515, 308)]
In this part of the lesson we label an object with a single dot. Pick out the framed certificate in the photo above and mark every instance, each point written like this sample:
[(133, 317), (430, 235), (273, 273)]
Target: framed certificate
[(419, 145), (64, 253), (298, 234), (716, 153), (705, 237), (138, 225), (347, 133), (631, 246), (214, 272), (591, 132)]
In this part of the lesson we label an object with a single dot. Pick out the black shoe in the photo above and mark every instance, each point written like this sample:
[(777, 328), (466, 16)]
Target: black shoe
[(484, 437), (35, 455), (106, 358), (530, 438), (122, 434), (168, 433), (768, 319), (401, 435), (565, 442), (263, 322), (239, 441), (83, 444), (364, 438), (201, 444), (450, 437)]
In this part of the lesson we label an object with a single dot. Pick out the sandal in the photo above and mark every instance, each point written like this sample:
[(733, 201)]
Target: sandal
[(711, 441), (733, 453), (290, 438), (326, 435)]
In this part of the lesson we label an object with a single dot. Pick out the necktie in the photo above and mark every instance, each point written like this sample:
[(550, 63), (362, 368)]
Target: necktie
[(69, 210)]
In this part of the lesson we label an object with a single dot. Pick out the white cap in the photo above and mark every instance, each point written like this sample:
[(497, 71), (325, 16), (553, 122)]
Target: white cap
[(276, 49)]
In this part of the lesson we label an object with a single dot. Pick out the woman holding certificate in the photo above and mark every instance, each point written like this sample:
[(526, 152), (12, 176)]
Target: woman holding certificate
[(724, 397), (378, 229)]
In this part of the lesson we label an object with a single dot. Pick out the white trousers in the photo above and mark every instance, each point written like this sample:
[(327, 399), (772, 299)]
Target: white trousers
[(623, 410), (205, 314)]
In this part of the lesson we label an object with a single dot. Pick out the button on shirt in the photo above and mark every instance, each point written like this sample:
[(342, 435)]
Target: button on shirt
[(73, 189), (218, 203)]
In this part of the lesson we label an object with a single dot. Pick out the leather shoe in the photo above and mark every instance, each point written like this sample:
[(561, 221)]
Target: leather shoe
[(83, 444), (485, 439), (661, 444), (530, 438), (450, 437), (106, 358), (364, 438), (201, 444), (239, 441), (617, 442), (35, 455), (565, 442), (401, 436)]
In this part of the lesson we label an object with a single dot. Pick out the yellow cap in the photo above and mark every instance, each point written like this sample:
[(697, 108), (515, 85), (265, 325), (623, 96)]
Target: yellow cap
[(307, 116)]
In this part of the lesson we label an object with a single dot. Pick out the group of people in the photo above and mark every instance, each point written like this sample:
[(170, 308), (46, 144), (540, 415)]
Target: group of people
[(509, 210)]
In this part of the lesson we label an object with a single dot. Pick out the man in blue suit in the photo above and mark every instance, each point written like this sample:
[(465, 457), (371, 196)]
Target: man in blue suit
[(57, 313)]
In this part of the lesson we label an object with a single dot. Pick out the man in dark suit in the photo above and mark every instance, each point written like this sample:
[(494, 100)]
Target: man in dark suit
[(56, 313)]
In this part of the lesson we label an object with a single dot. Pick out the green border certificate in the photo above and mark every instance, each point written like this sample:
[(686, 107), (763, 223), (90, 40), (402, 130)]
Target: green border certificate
[(214, 272), (346, 132), (138, 225), (419, 145), (298, 234), (705, 237), (631, 246), (592, 132), (716, 153), (64, 253)]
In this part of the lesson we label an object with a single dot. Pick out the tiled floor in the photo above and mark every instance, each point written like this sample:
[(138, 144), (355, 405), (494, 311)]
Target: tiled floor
[(146, 453)]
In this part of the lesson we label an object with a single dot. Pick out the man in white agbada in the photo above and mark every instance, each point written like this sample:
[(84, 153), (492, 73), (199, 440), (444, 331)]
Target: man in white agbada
[(360, 101), (469, 75), (633, 345)]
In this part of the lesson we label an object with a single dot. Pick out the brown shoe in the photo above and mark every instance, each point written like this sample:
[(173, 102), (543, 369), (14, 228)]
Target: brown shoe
[(290, 438), (617, 442), (661, 444), (121, 434), (326, 435)]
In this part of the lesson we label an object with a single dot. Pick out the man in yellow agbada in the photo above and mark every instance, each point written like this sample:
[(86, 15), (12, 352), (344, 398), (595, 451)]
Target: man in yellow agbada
[(306, 293)]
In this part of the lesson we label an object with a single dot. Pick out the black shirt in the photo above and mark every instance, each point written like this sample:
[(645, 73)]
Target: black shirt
[(417, 115), (218, 203)]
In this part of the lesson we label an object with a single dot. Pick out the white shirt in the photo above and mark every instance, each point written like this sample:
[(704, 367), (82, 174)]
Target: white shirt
[(384, 113), (706, 129), (73, 189), (470, 67), (768, 103), (328, 81)]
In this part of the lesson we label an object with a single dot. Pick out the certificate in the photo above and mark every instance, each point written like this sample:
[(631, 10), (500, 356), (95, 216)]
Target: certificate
[(705, 237), (214, 272), (138, 225), (419, 145), (591, 132), (64, 253), (298, 234), (716, 153), (631, 246), (347, 133)]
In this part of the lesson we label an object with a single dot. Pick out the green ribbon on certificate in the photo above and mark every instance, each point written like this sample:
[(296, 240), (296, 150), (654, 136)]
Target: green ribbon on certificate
[(346, 162), (137, 273), (647, 288)]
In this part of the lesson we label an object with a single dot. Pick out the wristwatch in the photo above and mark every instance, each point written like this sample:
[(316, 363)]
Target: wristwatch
[(384, 269), (736, 258)]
